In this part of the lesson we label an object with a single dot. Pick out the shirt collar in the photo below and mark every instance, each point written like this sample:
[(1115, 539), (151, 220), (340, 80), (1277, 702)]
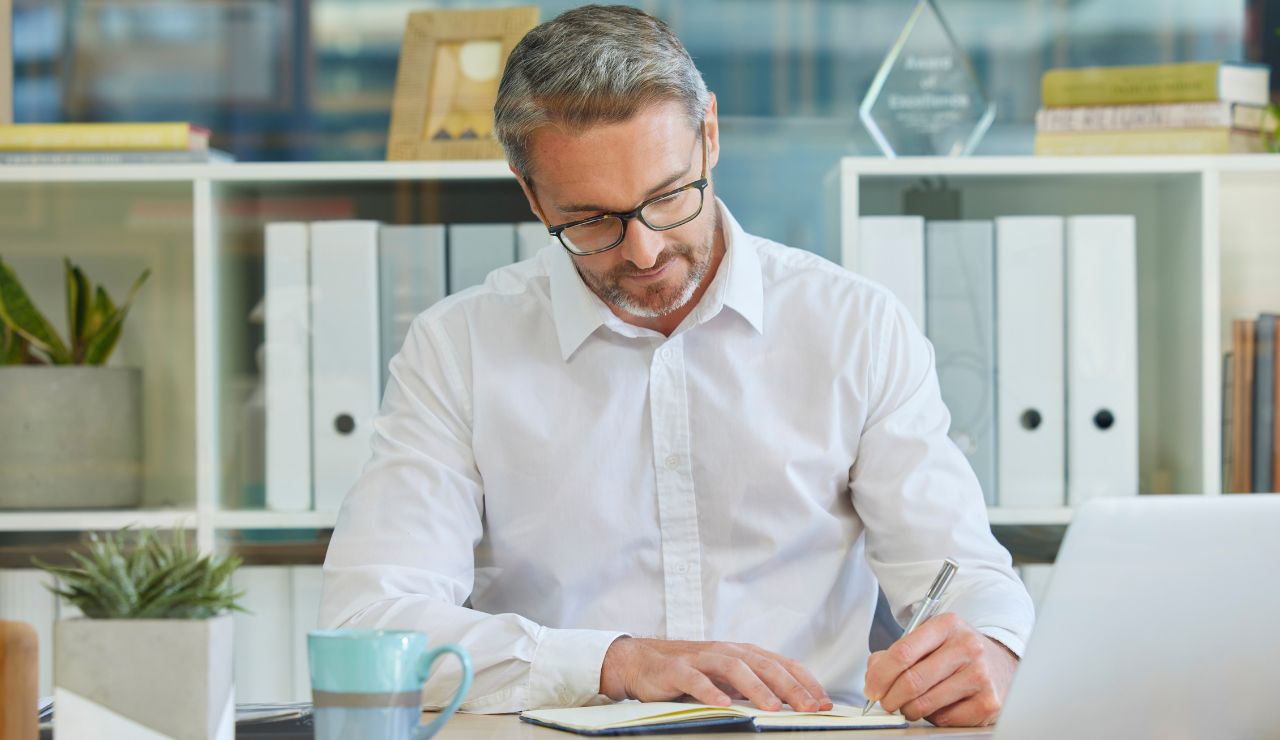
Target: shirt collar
[(578, 312)]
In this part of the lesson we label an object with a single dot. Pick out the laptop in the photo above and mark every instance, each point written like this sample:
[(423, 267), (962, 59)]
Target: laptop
[(1161, 620)]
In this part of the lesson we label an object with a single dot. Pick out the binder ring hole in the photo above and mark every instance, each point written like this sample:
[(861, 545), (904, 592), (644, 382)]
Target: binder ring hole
[(1104, 419), (344, 423), (1031, 419)]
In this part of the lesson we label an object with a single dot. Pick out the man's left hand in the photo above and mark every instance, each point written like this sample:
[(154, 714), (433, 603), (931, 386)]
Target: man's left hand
[(944, 671)]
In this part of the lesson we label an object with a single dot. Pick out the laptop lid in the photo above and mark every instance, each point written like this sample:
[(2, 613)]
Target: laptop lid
[(1162, 619)]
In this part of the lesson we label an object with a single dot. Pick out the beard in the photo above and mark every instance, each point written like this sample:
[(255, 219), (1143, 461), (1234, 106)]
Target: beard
[(660, 299)]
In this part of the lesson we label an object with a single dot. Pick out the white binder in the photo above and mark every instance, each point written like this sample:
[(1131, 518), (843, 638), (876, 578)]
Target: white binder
[(262, 663), (1030, 343), (531, 237), (345, 355), (960, 320), (475, 250), (413, 277), (891, 252), (1102, 357), (287, 361), (306, 581)]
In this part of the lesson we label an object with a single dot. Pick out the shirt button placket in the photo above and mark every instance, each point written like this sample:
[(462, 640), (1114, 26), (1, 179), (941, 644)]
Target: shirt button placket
[(677, 506)]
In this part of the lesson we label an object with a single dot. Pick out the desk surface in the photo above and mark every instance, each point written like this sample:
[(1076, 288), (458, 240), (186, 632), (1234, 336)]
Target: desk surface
[(509, 727)]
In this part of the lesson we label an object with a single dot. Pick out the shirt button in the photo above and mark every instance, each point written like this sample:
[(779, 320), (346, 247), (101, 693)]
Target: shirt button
[(672, 462), (665, 354), (682, 568)]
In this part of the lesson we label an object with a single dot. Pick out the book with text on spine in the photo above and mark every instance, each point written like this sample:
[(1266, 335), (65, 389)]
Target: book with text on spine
[(97, 137), (1156, 83), (1169, 141), (1215, 114), (636, 718)]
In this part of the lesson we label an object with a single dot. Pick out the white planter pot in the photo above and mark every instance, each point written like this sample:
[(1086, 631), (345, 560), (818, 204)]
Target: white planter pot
[(71, 437), (143, 679)]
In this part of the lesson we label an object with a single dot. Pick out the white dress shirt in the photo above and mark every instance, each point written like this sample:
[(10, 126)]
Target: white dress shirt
[(546, 477)]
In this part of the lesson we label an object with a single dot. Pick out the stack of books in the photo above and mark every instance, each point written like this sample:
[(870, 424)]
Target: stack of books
[(1250, 408), (106, 143), (1191, 108)]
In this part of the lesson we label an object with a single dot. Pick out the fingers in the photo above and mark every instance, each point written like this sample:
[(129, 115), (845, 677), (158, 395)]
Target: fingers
[(712, 673), (942, 693), (741, 677), (806, 680), (885, 667), (917, 680), (696, 684)]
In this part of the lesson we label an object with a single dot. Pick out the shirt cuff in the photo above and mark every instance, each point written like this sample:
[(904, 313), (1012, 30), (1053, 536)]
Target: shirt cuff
[(1003, 636), (566, 667)]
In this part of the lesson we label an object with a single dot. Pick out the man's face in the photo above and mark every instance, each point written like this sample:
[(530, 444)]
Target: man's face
[(613, 168)]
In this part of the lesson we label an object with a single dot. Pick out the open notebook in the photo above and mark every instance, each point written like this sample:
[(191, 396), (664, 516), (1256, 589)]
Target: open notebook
[(633, 718)]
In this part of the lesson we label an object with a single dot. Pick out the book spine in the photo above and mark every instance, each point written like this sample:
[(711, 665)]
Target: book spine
[(116, 157), (1264, 402), (100, 137), (1107, 143), (1242, 333), (1162, 83), (1131, 117)]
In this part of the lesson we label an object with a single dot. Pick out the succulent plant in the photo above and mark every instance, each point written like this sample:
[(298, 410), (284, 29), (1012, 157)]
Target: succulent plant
[(155, 578), (94, 322)]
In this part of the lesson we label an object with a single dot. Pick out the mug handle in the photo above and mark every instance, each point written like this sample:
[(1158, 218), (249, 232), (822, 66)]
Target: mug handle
[(427, 660)]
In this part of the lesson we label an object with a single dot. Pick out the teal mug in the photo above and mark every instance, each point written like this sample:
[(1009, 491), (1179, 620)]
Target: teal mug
[(368, 683)]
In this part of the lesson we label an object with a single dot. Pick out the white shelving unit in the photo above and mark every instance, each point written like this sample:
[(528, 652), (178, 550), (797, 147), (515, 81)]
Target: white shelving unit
[(202, 220), (1206, 254)]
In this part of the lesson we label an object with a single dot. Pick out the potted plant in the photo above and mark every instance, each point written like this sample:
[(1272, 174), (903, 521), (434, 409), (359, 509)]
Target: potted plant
[(72, 435), (151, 657)]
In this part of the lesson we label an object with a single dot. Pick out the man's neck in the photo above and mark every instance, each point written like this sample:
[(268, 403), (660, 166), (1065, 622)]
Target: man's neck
[(667, 324)]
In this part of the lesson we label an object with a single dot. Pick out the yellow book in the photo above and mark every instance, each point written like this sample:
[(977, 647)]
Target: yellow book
[(633, 717), (1164, 141), (1156, 83), (99, 137)]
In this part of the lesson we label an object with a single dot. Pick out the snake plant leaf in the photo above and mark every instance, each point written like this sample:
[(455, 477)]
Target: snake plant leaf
[(78, 294), (13, 348), (145, 576), (98, 347), (20, 315)]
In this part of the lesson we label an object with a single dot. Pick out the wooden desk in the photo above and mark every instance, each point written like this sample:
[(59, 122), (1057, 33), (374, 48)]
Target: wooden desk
[(509, 727)]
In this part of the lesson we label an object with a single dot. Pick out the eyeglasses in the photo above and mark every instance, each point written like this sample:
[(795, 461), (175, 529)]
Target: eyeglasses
[(663, 212)]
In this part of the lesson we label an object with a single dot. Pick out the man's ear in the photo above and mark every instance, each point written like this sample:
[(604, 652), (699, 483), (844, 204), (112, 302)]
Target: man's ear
[(527, 189), (712, 124)]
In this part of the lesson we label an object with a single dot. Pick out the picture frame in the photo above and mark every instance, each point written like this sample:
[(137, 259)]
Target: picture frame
[(451, 62)]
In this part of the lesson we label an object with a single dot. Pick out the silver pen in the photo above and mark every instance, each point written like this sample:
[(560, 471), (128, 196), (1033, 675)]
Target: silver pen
[(928, 606)]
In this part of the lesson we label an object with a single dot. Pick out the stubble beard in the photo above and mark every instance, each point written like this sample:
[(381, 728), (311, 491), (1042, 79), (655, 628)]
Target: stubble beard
[(655, 301)]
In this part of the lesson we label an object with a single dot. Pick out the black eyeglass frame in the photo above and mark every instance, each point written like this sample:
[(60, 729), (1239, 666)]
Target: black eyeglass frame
[(701, 185)]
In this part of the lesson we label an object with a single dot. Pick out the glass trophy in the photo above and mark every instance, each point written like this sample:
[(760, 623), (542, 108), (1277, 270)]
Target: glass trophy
[(925, 99)]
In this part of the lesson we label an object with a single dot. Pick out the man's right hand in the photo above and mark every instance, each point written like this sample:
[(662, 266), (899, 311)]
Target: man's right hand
[(711, 672)]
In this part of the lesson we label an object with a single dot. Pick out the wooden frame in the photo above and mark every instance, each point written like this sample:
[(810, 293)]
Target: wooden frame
[(439, 111)]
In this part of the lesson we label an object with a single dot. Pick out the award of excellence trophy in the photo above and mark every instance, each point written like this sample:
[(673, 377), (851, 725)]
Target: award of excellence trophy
[(926, 99)]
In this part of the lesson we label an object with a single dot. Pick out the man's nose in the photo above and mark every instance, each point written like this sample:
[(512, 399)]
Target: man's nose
[(641, 245)]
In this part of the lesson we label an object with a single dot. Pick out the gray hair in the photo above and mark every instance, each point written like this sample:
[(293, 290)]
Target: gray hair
[(590, 65)]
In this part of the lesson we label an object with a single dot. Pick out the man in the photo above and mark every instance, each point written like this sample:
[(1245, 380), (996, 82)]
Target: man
[(667, 457)]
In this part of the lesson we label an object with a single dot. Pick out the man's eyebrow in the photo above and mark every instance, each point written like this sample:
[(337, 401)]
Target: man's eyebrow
[(591, 208)]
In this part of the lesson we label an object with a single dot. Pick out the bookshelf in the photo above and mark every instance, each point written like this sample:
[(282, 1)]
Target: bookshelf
[(1206, 255), (199, 228)]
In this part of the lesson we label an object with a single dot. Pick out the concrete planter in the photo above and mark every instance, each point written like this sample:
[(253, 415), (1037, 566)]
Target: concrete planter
[(70, 437), (143, 679)]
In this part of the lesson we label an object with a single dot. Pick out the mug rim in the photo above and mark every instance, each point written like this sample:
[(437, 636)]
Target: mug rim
[(362, 633)]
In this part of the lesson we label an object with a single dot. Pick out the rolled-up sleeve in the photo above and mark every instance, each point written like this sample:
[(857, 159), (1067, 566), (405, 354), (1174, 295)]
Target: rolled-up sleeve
[(921, 502), (402, 553)]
